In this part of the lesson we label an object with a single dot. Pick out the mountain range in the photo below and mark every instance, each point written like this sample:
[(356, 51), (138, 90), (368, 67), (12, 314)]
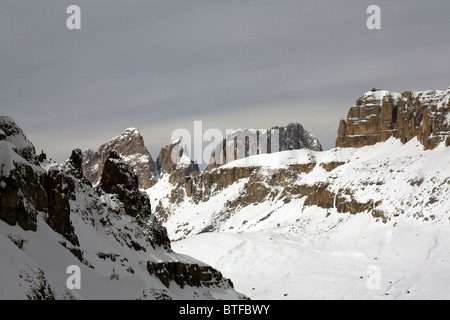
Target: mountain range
[(52, 218), (366, 219)]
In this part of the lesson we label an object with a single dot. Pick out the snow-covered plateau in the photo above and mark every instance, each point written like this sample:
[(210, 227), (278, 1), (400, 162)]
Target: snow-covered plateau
[(346, 223)]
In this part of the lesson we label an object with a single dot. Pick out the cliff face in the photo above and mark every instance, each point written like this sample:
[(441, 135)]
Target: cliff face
[(130, 146), (269, 191), (247, 194), (23, 185), (50, 210), (379, 115), (246, 142), (174, 161)]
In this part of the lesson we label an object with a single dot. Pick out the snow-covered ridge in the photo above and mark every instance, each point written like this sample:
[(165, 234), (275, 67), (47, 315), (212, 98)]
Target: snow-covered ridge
[(242, 143), (439, 98), (305, 224), (378, 180), (51, 218), (130, 145), (381, 114)]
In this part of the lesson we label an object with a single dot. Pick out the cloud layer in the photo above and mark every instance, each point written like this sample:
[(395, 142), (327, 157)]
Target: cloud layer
[(160, 65)]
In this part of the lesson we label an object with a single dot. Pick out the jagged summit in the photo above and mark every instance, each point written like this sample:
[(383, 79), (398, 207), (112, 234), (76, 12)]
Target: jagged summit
[(52, 217), (378, 115), (9, 131), (242, 143), (130, 146), (174, 161)]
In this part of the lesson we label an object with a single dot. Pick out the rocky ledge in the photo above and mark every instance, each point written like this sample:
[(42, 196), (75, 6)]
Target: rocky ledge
[(379, 115)]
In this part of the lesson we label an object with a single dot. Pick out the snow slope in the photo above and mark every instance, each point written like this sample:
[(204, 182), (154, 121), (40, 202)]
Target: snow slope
[(320, 260), (384, 210), (75, 224)]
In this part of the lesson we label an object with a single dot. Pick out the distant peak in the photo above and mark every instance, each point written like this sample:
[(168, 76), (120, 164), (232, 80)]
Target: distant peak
[(7, 119), (126, 134), (132, 130)]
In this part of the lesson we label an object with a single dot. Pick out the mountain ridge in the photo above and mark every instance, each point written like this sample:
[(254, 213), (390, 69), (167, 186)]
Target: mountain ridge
[(378, 115), (52, 218)]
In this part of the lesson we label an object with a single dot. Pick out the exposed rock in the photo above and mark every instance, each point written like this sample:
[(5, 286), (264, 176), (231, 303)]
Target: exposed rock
[(379, 115), (330, 166), (174, 160), (130, 146), (183, 274), (21, 145), (36, 282), (374, 181), (202, 186), (246, 142), (79, 220), (118, 178), (59, 206), (22, 182), (42, 156)]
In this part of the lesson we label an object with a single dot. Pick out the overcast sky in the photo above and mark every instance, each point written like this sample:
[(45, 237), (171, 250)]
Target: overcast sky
[(161, 65)]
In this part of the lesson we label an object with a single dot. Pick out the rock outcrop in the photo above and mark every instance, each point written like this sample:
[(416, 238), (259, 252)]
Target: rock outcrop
[(193, 275), (24, 185), (379, 115), (131, 148), (118, 178), (173, 160), (246, 142), (105, 227)]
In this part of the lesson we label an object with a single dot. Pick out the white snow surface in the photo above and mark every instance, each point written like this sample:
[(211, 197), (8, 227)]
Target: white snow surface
[(36, 262), (279, 250), (45, 251), (439, 98)]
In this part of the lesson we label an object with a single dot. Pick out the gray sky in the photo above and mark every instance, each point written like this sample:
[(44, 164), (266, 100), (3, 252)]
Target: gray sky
[(161, 65)]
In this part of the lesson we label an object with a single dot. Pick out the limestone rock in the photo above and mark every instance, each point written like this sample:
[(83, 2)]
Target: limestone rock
[(118, 178), (107, 226), (130, 146), (379, 115), (22, 181), (183, 274), (174, 161), (246, 142)]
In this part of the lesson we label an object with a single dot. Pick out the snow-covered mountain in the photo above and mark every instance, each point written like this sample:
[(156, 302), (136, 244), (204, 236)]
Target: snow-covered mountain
[(380, 114), (368, 221), (130, 146), (242, 143), (175, 163), (385, 180), (52, 218), (309, 225)]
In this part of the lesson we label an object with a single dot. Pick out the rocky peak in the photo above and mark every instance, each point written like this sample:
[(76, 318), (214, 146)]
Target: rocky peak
[(174, 160), (130, 146), (294, 137), (379, 115), (242, 143), (106, 227), (9, 131), (22, 181), (119, 178)]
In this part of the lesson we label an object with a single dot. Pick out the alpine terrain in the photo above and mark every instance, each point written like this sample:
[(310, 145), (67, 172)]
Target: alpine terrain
[(368, 219), (273, 216), (53, 222)]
